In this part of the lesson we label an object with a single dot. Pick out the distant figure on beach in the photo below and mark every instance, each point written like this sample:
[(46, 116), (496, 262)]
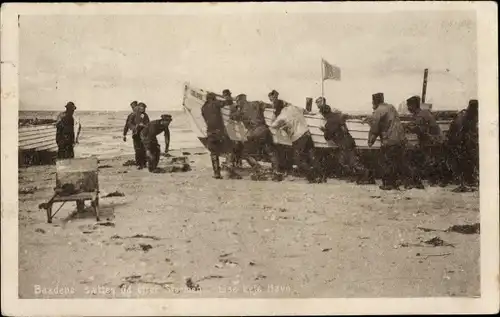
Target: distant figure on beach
[(336, 130), (148, 137), (463, 147), (428, 163), (236, 158), (259, 137), (130, 124), (218, 142), (385, 123), (65, 132), (291, 119), (138, 121), (129, 121)]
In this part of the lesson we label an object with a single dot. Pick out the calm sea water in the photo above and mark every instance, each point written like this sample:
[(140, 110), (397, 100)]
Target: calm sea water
[(102, 132)]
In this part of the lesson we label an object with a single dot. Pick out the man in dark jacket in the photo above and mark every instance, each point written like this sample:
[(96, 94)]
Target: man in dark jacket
[(259, 137), (65, 132), (218, 142), (137, 122), (463, 147), (430, 144), (278, 104), (148, 137), (130, 125), (129, 121), (336, 130), (385, 124)]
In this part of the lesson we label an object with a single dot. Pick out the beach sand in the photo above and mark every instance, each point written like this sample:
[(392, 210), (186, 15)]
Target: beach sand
[(239, 238)]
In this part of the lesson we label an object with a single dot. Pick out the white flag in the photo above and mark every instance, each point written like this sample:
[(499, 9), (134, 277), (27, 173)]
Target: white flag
[(330, 71)]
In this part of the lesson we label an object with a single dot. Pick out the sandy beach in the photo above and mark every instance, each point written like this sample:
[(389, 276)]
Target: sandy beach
[(185, 234)]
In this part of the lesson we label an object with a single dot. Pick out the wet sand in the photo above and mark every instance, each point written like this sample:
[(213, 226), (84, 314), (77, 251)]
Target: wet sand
[(185, 234)]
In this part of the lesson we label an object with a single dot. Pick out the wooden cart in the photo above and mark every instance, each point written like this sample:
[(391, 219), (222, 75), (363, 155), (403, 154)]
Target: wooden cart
[(76, 180)]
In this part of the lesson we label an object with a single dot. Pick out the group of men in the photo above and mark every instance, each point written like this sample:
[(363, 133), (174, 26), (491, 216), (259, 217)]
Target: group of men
[(259, 138), (436, 158), (144, 132)]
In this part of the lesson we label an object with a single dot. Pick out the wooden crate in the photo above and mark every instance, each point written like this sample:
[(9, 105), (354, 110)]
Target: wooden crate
[(82, 173)]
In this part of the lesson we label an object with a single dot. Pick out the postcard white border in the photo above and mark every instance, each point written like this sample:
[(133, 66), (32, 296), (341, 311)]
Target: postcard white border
[(487, 22)]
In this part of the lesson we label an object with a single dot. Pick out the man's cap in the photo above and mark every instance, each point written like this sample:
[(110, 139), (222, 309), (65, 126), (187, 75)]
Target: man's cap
[(326, 109), (378, 97), (166, 117), (320, 99), (210, 95), (133, 103), (142, 104), (413, 101), (473, 103), (241, 96), (273, 93), (226, 92), (70, 105)]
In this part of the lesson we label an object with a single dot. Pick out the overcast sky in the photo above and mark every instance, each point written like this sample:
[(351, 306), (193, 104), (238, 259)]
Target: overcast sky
[(105, 62)]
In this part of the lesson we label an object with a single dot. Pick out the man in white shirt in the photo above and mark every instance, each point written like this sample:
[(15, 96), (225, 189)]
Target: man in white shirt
[(291, 120)]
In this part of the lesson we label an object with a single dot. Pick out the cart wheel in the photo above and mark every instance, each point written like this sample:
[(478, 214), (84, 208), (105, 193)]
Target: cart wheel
[(49, 213)]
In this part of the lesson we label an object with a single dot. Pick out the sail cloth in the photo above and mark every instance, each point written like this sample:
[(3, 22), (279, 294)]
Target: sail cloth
[(330, 71)]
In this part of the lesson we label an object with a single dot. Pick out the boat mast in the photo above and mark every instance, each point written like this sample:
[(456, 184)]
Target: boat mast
[(424, 84), (322, 79)]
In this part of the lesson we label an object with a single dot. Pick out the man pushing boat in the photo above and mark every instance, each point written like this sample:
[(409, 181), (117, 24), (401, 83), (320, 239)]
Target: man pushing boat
[(218, 142), (336, 130), (291, 119), (259, 137)]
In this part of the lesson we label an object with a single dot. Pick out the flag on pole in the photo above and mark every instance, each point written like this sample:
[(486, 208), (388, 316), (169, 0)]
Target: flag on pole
[(330, 71)]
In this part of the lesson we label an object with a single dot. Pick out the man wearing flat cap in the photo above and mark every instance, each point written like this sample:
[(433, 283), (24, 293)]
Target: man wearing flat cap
[(148, 137), (137, 122), (277, 103), (463, 147), (259, 137), (430, 145), (386, 125), (218, 142), (65, 132), (129, 122), (336, 130)]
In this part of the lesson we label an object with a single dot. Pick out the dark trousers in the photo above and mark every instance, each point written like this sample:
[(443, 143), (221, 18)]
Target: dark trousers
[(65, 150), (237, 154), (350, 162), (261, 143), (305, 159), (427, 162), (393, 164), (153, 155), (140, 151), (219, 143), (465, 164)]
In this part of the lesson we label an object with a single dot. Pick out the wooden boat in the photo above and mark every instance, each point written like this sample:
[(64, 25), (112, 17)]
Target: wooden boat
[(37, 141), (37, 138), (37, 144), (194, 99)]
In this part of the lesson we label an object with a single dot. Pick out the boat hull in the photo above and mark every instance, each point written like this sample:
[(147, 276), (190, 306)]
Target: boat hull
[(194, 99)]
